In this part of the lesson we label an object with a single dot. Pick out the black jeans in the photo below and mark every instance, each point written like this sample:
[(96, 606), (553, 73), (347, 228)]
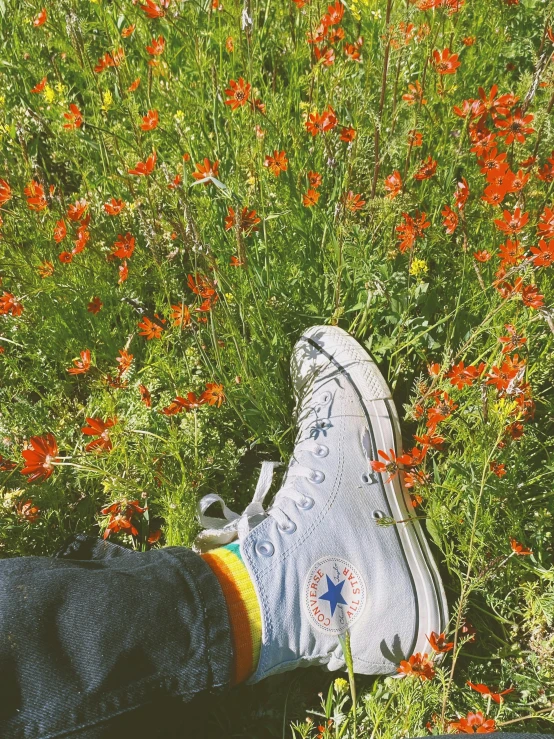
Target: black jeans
[(102, 641)]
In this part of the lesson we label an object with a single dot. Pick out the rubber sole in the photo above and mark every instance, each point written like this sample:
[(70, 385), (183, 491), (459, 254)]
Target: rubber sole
[(384, 427)]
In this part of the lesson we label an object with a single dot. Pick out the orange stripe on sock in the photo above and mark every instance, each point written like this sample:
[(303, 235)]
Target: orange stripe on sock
[(238, 617)]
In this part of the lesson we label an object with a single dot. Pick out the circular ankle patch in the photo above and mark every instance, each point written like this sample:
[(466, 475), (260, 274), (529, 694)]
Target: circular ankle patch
[(334, 595)]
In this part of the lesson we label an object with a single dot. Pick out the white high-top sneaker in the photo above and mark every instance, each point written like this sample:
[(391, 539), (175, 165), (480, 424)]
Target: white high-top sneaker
[(320, 563)]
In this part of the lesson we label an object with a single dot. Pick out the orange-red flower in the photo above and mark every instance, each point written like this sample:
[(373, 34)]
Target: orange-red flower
[(445, 62), (439, 643), (145, 168), (206, 169), (150, 329), (248, 220), (121, 517), (145, 396), (512, 223), (546, 224), (276, 163), (46, 269), (60, 231), (5, 192), (531, 297), (150, 120), (124, 246), (237, 93), (128, 30), (151, 10), (347, 134), (513, 340), (133, 86), (393, 184), (39, 87), (521, 550), (34, 193), (353, 202), (40, 455), (41, 18), (28, 510), (180, 315), (74, 117), (114, 207), (317, 123), (484, 690), (515, 127), (498, 468), (310, 198), (461, 375), (334, 14), (473, 723), (411, 229), (418, 665), (213, 394), (156, 47), (450, 219), (392, 463), (189, 403), (10, 304), (77, 210), (510, 369), (81, 365), (315, 179), (426, 170), (443, 408), (124, 361), (95, 305), (415, 94), (98, 427)]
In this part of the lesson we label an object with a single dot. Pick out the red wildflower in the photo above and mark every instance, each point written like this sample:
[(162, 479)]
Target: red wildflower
[(391, 463), (445, 62), (34, 193), (347, 134), (531, 297), (99, 428), (515, 127), (95, 305), (418, 665), (190, 403), (128, 31), (206, 170), (81, 365), (213, 394), (439, 643), (238, 93), (10, 304), (353, 202), (156, 47), (40, 455), (473, 723), (114, 207), (41, 18), (315, 179), (444, 407), (248, 220), (462, 193), (450, 219), (321, 123), (39, 87), (145, 168), (124, 246), (5, 192), (415, 94), (181, 315), (546, 224), (334, 14), (310, 198), (411, 229), (46, 269), (484, 690), (65, 257), (513, 341), (393, 184), (512, 223), (76, 210), (543, 254), (546, 172), (426, 170), (510, 253), (520, 550), (74, 118), (60, 231), (151, 10), (133, 86), (124, 360), (460, 375), (121, 515), (497, 468), (510, 369), (276, 163), (497, 106), (150, 329), (28, 511), (145, 396), (150, 120), (482, 256), (415, 138)]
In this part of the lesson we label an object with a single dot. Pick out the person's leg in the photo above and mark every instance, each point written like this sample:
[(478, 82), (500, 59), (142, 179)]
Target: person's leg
[(91, 638)]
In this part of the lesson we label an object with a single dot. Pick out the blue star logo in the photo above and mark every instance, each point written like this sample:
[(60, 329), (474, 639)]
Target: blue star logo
[(333, 594)]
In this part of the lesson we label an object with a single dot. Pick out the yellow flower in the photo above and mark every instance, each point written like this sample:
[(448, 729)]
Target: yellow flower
[(49, 94), (340, 685), (60, 87), (418, 268), (107, 100)]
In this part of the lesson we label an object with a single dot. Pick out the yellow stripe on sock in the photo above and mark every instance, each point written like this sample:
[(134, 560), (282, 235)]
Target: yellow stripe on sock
[(242, 605)]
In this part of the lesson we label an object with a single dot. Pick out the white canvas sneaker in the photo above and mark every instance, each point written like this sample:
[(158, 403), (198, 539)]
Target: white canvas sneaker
[(320, 563)]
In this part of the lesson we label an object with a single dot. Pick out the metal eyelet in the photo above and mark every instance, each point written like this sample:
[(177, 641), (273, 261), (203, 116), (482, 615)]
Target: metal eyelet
[(378, 515), (290, 528), (366, 478), (317, 476), (306, 503), (264, 548), (321, 451), (325, 398)]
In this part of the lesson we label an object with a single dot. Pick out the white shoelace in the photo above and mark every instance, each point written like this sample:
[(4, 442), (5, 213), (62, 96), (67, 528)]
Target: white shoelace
[(220, 531)]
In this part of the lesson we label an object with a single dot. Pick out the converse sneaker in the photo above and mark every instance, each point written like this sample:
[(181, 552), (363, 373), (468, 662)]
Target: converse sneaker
[(320, 563)]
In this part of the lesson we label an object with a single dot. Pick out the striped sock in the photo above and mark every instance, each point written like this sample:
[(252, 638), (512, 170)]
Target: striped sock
[(242, 605)]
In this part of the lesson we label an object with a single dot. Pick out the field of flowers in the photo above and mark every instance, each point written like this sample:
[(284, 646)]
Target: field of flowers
[(184, 186)]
